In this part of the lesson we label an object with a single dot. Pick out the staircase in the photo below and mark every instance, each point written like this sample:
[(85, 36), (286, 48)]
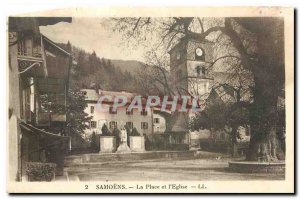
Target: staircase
[(107, 158), (77, 166)]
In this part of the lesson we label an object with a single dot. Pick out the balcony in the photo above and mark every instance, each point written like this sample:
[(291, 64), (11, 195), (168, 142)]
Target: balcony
[(44, 119), (43, 68), (30, 55)]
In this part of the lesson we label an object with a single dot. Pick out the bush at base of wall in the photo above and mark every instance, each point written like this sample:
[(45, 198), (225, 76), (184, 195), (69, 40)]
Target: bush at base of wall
[(37, 171)]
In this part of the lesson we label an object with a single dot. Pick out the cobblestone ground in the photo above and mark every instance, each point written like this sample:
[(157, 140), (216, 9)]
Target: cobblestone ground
[(168, 170)]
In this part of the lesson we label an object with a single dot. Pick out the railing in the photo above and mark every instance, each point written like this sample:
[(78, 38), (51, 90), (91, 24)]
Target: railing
[(29, 48), (46, 118)]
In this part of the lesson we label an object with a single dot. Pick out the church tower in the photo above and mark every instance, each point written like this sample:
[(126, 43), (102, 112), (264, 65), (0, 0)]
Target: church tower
[(191, 74), (190, 62)]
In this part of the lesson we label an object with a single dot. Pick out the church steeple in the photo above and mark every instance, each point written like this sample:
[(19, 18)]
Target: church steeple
[(190, 62)]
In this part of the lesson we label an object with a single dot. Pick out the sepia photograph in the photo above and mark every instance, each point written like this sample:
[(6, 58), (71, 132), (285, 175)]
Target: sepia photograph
[(119, 102)]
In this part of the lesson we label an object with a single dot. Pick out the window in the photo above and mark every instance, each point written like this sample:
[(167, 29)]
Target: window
[(178, 56), (129, 112), (179, 75), (198, 70), (113, 125), (144, 112), (92, 109), (93, 124), (201, 70), (129, 124), (156, 120), (144, 125), (111, 111)]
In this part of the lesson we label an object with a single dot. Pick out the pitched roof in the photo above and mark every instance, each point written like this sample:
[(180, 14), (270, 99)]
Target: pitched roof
[(91, 94), (94, 95), (32, 23)]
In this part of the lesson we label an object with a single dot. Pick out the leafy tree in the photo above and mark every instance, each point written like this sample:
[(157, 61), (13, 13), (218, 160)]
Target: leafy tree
[(77, 120), (227, 117), (256, 43)]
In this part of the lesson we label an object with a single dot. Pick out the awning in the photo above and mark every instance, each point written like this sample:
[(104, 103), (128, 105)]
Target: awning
[(32, 128), (20, 24)]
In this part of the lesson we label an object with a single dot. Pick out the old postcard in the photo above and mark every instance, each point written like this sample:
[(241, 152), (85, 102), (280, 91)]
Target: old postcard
[(151, 100)]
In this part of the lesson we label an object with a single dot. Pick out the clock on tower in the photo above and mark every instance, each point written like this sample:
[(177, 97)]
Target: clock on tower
[(190, 67)]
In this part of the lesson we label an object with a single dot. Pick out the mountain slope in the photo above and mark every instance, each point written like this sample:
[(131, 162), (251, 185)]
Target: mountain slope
[(127, 65)]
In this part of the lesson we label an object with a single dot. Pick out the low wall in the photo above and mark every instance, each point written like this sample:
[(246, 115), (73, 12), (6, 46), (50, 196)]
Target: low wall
[(112, 157), (137, 143), (107, 144), (257, 167)]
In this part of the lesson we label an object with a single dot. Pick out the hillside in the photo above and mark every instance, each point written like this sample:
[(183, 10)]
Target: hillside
[(127, 65)]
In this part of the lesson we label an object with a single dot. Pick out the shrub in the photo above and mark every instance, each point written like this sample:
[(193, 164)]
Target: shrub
[(105, 131), (135, 132), (116, 132), (94, 142), (38, 171), (129, 132)]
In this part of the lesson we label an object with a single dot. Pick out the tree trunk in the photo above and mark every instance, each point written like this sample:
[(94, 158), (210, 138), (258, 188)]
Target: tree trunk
[(234, 147), (263, 148), (263, 117), (269, 81)]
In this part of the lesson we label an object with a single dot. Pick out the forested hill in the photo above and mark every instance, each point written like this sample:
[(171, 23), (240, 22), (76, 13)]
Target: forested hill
[(128, 65), (91, 71)]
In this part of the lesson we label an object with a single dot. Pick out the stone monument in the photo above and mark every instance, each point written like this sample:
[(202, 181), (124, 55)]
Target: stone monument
[(123, 147)]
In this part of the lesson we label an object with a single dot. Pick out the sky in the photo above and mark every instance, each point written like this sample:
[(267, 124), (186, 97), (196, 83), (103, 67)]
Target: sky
[(91, 34)]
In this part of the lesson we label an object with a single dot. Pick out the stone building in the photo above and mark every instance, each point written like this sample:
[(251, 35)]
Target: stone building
[(190, 62), (151, 123), (193, 74), (159, 122), (146, 121)]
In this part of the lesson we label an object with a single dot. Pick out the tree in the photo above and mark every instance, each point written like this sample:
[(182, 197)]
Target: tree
[(257, 43), (105, 131), (128, 129), (135, 132), (78, 120), (94, 144), (221, 116), (116, 132)]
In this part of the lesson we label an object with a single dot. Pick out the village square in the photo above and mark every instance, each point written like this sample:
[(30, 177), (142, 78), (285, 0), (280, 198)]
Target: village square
[(145, 99)]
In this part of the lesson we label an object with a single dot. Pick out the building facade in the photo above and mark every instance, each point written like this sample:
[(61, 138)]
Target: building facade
[(146, 121), (190, 63), (38, 86)]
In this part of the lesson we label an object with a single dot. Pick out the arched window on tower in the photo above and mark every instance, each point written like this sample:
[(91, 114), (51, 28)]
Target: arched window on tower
[(179, 75), (201, 71)]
